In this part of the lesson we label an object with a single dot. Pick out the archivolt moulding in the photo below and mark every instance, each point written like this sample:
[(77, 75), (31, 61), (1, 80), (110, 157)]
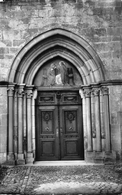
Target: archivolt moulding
[(56, 42)]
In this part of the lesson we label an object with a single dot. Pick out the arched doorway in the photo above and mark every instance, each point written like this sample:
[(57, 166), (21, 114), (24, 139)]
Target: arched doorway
[(59, 121), (30, 81)]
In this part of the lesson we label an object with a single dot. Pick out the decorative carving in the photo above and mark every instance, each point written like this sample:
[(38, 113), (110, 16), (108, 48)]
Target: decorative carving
[(87, 92), (70, 76), (58, 95), (56, 74), (20, 91), (70, 116), (47, 116), (44, 78), (70, 98), (105, 90), (11, 90), (29, 94), (59, 73), (95, 91), (46, 99)]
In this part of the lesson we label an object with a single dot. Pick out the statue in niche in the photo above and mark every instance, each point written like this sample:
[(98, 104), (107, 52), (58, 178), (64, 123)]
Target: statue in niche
[(44, 78), (70, 76)]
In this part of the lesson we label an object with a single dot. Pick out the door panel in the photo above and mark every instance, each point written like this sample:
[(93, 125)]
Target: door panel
[(71, 132), (47, 141)]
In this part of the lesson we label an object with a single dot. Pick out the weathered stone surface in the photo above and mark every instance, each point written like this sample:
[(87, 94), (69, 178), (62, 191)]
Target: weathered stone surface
[(96, 21)]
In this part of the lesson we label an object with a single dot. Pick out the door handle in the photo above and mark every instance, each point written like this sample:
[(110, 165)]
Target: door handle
[(57, 132), (61, 131)]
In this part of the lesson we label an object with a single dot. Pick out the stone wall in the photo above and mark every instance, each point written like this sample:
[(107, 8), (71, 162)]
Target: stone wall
[(3, 123), (98, 21), (116, 118)]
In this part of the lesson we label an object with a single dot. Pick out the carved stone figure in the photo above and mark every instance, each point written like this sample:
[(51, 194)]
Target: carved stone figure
[(70, 76), (51, 76), (44, 79), (62, 67), (59, 73)]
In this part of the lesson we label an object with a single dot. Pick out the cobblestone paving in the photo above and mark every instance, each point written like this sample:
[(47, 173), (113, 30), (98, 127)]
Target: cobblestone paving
[(100, 179)]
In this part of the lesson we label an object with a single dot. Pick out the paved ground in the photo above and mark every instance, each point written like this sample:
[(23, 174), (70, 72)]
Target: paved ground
[(82, 180)]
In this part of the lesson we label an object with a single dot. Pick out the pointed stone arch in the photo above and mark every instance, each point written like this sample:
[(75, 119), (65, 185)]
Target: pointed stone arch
[(57, 42)]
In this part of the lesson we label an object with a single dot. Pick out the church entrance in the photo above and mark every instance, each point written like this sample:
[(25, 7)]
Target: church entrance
[(59, 132), (58, 101), (59, 129)]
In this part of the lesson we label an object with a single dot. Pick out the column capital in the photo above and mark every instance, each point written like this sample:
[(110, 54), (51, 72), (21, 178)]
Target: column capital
[(95, 91), (87, 92), (29, 91), (20, 90), (10, 90), (105, 90)]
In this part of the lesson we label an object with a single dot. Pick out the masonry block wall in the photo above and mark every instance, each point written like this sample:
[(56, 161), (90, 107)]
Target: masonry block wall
[(99, 22)]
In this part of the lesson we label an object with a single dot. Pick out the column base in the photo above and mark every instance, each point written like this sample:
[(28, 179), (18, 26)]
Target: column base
[(29, 158), (10, 159), (20, 159), (110, 157), (101, 157), (89, 156), (95, 157)]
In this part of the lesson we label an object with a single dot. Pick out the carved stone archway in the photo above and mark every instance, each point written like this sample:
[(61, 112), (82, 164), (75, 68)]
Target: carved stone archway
[(40, 50)]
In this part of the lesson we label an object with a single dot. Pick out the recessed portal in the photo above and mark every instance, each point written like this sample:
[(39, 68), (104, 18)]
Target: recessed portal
[(59, 131), (47, 76)]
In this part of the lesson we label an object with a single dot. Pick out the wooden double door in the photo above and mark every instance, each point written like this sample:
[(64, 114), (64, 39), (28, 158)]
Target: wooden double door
[(59, 132)]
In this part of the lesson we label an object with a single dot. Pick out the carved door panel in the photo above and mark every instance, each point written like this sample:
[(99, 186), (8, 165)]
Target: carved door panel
[(71, 132), (47, 133), (59, 126)]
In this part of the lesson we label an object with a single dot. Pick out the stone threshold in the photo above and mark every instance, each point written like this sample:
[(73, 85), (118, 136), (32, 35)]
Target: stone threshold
[(63, 163)]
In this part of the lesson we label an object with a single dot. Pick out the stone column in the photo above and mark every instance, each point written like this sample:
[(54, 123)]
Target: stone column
[(25, 123), (96, 92), (84, 118), (33, 122), (11, 158), (15, 123), (106, 118), (87, 93), (93, 121), (20, 159), (29, 157), (102, 121)]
